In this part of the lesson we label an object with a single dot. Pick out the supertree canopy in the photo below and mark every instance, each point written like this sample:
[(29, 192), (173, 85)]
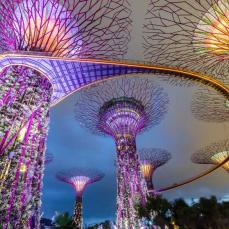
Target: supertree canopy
[(189, 34), (122, 108), (79, 179), (150, 159), (215, 153), (25, 97), (65, 28), (209, 105)]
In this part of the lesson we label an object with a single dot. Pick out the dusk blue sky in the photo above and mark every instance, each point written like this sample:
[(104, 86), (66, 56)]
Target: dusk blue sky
[(179, 133)]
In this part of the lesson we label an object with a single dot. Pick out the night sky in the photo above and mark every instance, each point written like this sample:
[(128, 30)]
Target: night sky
[(179, 133)]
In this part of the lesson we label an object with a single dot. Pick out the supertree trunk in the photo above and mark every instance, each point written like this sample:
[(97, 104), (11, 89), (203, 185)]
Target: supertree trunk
[(25, 97), (149, 183), (131, 186), (77, 216)]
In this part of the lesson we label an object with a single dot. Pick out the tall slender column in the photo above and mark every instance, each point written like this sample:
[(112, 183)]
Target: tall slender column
[(25, 97), (77, 217), (131, 186)]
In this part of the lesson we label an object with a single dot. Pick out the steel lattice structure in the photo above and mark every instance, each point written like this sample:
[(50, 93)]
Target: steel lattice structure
[(122, 108), (189, 34), (79, 179), (140, 94), (213, 154), (209, 105), (150, 159), (66, 28)]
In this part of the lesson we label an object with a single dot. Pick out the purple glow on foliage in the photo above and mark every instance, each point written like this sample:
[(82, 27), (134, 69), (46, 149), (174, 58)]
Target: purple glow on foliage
[(23, 123)]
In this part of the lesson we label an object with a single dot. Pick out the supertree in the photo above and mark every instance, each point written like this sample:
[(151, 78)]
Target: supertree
[(209, 105), (122, 108), (79, 179), (189, 34), (215, 154), (66, 28), (51, 28), (150, 159)]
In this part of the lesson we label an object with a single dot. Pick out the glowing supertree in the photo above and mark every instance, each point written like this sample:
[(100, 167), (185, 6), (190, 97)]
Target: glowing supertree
[(44, 27), (122, 108), (79, 179), (189, 34), (209, 105), (68, 28), (150, 160), (215, 154)]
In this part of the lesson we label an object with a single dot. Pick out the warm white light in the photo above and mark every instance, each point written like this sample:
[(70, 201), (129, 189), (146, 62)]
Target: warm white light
[(45, 26), (80, 182), (220, 157), (23, 168), (212, 34), (146, 169), (21, 134)]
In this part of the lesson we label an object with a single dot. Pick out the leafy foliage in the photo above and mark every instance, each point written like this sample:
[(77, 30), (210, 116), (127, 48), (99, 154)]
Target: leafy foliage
[(207, 213), (64, 221)]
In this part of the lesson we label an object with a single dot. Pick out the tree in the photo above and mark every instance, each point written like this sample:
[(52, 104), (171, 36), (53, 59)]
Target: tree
[(64, 221), (157, 208), (184, 216)]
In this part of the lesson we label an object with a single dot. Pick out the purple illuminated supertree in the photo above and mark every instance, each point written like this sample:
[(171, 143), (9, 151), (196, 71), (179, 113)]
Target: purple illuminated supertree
[(214, 154), (150, 159), (122, 108), (68, 28), (25, 99), (79, 179)]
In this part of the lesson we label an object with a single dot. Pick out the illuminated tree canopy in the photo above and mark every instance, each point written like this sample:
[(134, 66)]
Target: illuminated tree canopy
[(208, 105), (150, 159), (154, 156), (147, 100), (215, 153), (79, 179), (189, 34), (68, 28)]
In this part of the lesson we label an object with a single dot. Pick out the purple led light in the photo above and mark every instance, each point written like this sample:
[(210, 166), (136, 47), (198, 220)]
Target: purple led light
[(19, 147)]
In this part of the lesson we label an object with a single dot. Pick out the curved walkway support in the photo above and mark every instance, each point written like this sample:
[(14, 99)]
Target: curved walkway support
[(68, 75)]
